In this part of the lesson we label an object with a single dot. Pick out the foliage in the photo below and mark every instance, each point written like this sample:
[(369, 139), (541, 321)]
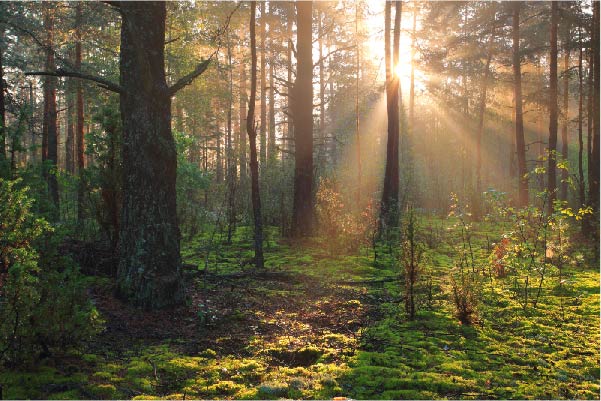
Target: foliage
[(43, 307), (345, 229)]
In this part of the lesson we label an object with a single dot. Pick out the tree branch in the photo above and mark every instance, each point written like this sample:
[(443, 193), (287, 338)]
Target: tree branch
[(103, 83), (187, 80)]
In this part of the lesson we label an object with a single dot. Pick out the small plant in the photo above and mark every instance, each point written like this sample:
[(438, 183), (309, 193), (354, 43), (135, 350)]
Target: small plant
[(465, 287), (411, 258)]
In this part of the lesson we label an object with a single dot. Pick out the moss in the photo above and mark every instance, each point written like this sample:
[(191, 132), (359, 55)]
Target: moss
[(102, 391)]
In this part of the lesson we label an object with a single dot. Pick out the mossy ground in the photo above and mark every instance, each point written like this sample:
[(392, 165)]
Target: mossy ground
[(320, 326)]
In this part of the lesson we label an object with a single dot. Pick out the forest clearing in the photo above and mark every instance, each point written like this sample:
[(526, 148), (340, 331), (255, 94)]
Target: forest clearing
[(299, 200)]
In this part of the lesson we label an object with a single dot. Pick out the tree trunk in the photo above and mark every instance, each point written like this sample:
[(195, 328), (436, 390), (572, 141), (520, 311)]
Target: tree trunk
[(242, 110), (231, 160), (519, 118), (302, 113), (149, 272), (252, 139), (481, 113), (581, 183), (290, 123), (563, 193), (79, 136), (50, 153), (553, 106), (357, 134), (70, 140), (594, 184), (2, 106), (263, 129), (271, 147), (390, 193)]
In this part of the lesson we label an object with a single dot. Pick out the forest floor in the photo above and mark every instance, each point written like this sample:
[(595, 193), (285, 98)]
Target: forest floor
[(320, 325)]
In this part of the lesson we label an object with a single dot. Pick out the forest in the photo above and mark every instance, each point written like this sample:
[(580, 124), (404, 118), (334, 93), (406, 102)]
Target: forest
[(341, 200)]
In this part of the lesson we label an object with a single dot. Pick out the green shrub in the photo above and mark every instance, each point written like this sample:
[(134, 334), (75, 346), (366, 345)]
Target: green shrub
[(43, 306)]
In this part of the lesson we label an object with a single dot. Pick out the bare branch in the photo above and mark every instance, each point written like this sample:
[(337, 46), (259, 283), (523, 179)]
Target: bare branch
[(103, 83), (187, 80)]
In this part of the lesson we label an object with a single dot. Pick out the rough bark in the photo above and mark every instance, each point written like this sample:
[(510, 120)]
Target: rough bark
[(252, 139), (302, 112), (519, 117), (553, 106), (390, 193), (149, 271)]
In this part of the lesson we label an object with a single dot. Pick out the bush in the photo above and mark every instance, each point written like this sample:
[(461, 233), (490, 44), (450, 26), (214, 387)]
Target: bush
[(43, 306)]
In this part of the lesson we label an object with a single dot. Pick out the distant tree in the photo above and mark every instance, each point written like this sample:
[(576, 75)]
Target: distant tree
[(519, 119), (553, 106), (252, 140)]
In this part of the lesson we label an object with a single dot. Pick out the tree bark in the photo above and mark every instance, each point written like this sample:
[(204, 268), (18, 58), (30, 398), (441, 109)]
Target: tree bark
[(553, 106), (519, 118), (390, 194), (252, 139), (302, 114), (149, 271)]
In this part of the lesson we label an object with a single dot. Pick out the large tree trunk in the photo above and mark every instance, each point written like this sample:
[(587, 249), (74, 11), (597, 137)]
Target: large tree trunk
[(390, 193), (149, 272), (79, 136), (70, 139), (519, 117), (50, 153), (302, 113), (563, 193), (553, 106), (252, 139)]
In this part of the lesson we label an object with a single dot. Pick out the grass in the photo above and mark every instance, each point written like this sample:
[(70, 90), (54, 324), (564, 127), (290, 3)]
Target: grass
[(327, 326)]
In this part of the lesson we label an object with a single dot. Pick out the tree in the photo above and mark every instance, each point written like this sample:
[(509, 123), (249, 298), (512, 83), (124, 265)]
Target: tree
[(50, 129), (390, 193), (594, 183), (519, 119), (79, 119), (302, 114), (252, 140), (563, 193), (553, 106)]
